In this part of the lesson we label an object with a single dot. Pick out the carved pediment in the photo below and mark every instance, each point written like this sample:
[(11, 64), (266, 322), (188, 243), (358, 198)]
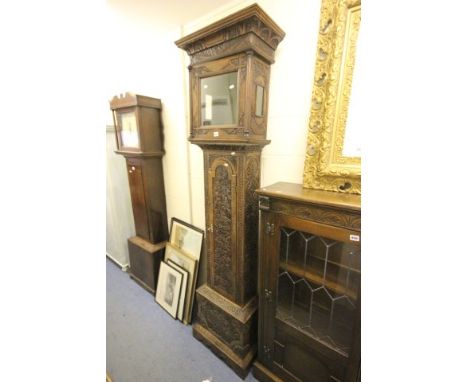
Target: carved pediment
[(251, 20)]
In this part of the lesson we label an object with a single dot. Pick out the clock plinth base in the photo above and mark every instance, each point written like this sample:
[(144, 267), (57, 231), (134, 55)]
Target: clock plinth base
[(145, 259), (227, 329)]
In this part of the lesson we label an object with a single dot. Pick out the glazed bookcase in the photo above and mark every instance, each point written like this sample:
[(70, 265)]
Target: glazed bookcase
[(309, 285)]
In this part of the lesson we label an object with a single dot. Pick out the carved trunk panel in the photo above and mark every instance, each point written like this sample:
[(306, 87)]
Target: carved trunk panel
[(232, 221), (222, 221)]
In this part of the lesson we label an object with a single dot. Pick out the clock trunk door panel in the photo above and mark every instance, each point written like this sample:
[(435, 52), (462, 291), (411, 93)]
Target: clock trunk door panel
[(137, 193)]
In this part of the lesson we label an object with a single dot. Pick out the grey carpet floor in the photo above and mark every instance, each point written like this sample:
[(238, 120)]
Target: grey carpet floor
[(145, 344)]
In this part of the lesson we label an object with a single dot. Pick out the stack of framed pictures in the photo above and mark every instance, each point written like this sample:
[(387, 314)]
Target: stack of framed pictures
[(178, 273)]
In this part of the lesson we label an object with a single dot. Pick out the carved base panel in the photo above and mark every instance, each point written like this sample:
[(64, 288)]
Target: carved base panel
[(229, 330), (240, 366)]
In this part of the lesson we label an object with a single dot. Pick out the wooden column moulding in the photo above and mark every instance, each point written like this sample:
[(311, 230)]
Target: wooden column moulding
[(229, 84), (139, 137)]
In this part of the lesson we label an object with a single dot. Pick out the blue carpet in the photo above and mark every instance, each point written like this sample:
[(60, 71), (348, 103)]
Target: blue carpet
[(145, 344)]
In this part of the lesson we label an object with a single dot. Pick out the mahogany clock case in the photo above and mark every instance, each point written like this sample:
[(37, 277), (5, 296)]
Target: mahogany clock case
[(144, 164), (139, 138)]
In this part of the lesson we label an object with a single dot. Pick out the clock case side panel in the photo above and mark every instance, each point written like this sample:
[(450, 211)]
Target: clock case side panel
[(258, 74), (151, 134)]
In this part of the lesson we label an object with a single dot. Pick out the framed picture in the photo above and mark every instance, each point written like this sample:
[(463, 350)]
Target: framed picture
[(190, 264), (183, 289), (168, 290), (186, 237)]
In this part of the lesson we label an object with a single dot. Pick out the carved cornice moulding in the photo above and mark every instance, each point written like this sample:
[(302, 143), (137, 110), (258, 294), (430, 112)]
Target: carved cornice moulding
[(129, 99), (234, 30)]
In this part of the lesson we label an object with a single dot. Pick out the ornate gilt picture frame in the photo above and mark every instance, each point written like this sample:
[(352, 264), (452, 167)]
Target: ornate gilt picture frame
[(326, 167)]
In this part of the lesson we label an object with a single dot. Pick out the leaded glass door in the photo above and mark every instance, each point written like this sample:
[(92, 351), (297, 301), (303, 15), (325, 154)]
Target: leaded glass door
[(314, 299)]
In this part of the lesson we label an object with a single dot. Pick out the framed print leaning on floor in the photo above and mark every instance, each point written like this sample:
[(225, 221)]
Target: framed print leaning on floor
[(190, 264), (186, 237), (183, 289), (168, 290)]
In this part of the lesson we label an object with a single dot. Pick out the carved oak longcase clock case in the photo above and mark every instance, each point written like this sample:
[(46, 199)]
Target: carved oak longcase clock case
[(138, 130), (229, 83)]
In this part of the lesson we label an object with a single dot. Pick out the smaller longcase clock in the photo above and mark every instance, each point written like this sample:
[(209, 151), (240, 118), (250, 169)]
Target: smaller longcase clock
[(139, 137)]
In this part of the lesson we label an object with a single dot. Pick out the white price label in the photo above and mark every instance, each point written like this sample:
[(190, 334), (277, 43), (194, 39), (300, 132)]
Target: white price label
[(215, 134), (354, 237)]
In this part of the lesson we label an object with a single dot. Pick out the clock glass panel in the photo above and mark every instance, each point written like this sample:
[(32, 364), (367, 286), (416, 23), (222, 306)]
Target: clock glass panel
[(128, 130), (219, 100)]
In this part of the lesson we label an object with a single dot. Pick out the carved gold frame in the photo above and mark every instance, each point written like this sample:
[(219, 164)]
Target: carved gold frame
[(325, 166)]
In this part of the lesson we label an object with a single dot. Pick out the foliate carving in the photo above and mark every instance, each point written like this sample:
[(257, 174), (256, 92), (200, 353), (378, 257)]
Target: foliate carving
[(218, 323), (252, 24), (325, 166), (252, 179), (319, 214), (237, 335), (261, 73), (222, 130), (232, 64), (219, 50), (224, 150), (241, 313), (223, 277)]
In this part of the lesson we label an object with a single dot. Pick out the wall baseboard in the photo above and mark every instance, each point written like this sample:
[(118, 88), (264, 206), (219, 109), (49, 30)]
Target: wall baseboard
[(124, 267)]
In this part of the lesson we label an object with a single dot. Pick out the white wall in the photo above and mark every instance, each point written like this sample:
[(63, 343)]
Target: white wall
[(148, 62), (119, 215)]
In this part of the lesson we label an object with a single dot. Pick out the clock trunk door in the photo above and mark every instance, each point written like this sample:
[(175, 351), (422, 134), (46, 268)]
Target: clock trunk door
[(137, 192), (222, 227), (315, 301)]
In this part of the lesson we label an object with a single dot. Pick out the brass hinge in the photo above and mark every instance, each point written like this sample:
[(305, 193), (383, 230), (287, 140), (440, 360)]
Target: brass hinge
[(270, 229), (268, 297), (264, 203)]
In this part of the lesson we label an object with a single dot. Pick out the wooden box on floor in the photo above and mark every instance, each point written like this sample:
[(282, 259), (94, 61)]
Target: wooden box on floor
[(145, 260)]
